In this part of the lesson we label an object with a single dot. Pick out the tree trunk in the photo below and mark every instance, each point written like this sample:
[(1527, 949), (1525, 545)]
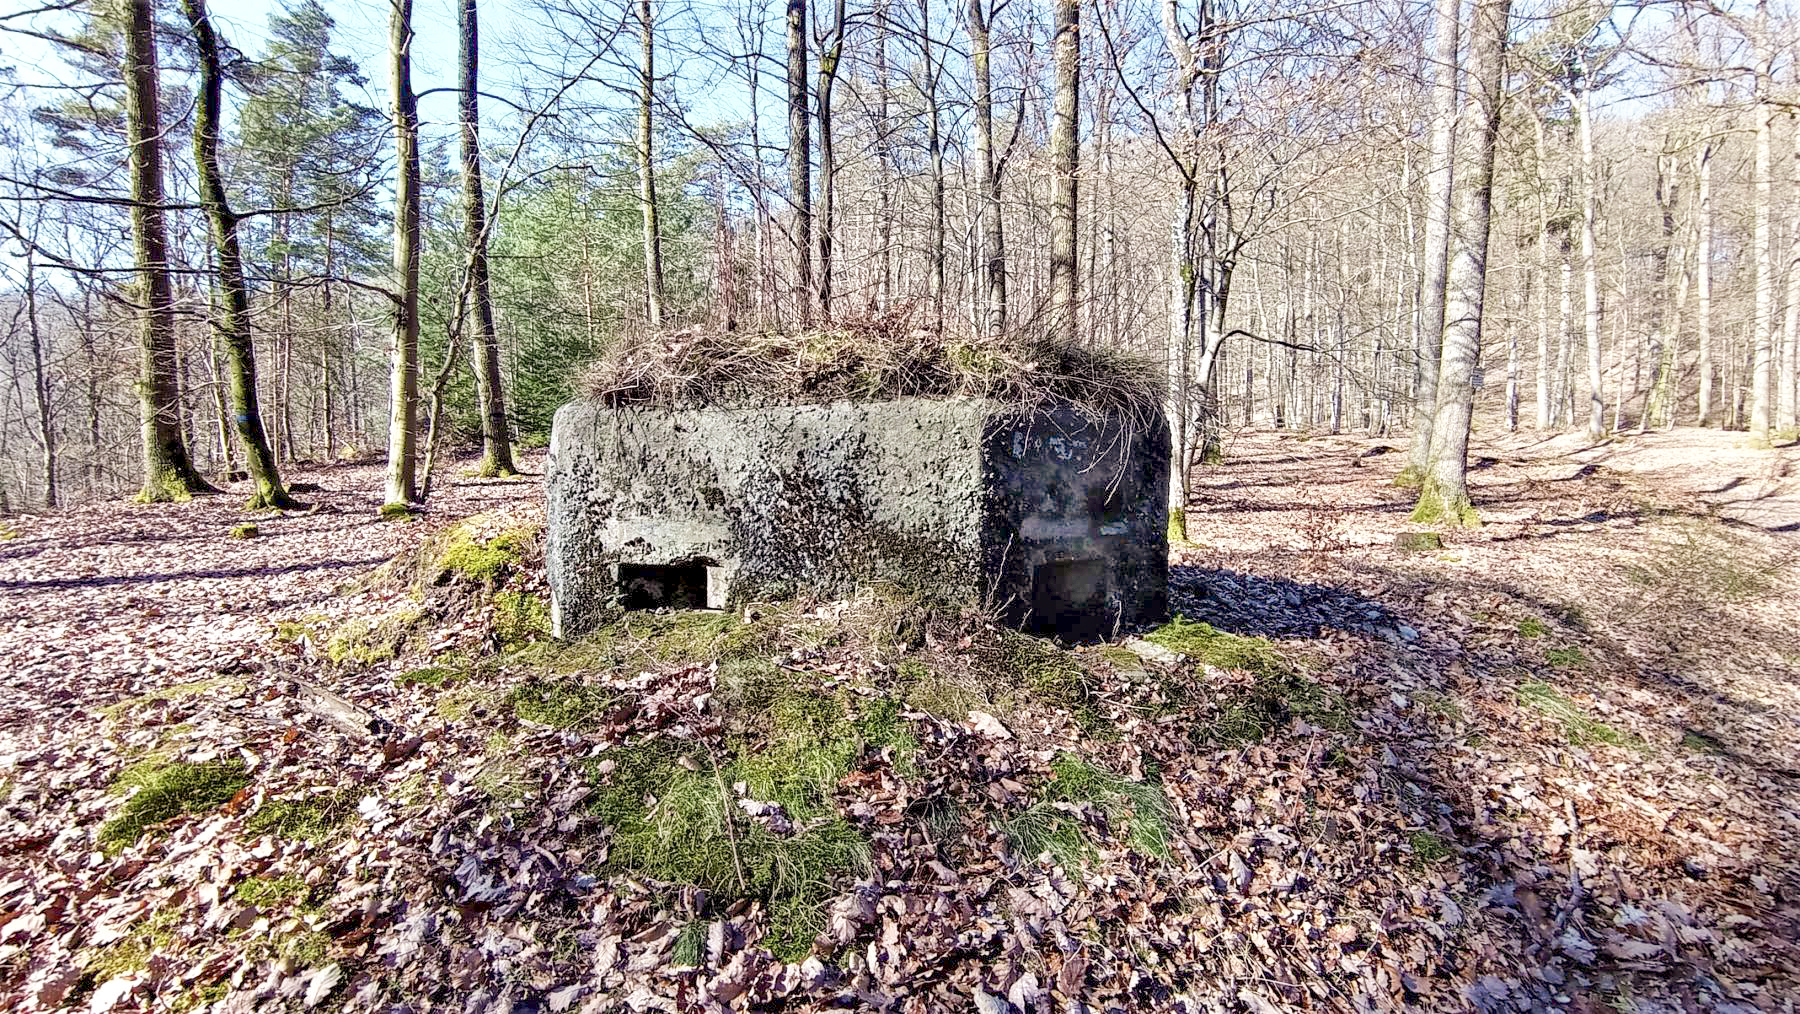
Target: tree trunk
[(231, 325), (40, 380), (403, 403), (1787, 413), (993, 234), (490, 397), (934, 146), (828, 72), (800, 159), (1440, 175), (1590, 273), (653, 265), (1762, 343), (1065, 154), (1444, 495), (884, 160), (1703, 277), (169, 473)]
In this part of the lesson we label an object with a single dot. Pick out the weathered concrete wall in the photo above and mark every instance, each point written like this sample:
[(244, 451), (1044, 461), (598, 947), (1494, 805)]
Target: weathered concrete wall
[(963, 498)]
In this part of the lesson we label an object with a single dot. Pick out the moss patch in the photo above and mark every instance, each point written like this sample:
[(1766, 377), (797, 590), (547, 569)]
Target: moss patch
[(364, 640), (676, 815), (168, 790), (520, 617), (132, 952), (485, 560), (308, 818), (175, 692), (1217, 648), (1052, 675), (397, 512), (1428, 848), (563, 704), (1436, 506), (245, 531), (271, 892), (1566, 658)]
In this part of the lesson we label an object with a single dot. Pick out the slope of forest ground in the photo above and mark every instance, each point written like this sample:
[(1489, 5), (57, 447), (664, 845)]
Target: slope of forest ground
[(1551, 765)]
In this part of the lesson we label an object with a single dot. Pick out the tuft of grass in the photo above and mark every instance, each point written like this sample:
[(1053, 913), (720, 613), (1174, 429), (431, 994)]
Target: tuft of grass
[(1566, 658), (1578, 726), (561, 704), (1533, 627), (924, 688), (166, 790), (308, 818), (1139, 806), (690, 945)]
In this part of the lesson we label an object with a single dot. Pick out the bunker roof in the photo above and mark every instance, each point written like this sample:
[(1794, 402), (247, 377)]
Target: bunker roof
[(867, 360)]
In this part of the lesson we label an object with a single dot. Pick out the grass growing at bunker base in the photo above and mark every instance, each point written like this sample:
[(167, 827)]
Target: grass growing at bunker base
[(1137, 811), (166, 790), (1277, 690), (753, 817)]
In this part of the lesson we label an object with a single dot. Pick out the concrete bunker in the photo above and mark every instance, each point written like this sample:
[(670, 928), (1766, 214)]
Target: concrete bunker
[(1056, 517)]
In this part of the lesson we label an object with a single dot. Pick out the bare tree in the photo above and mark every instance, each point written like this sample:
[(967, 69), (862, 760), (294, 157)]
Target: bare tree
[(1065, 154), (800, 160), (490, 397), (169, 473), (403, 408), (1439, 175), (653, 259), (231, 319), (1444, 494)]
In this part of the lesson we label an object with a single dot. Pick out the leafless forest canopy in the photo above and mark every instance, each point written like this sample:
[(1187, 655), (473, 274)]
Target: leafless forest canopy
[(233, 245)]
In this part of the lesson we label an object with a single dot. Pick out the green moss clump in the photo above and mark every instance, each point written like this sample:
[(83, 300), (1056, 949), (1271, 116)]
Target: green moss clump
[(397, 512), (1051, 674), (562, 704), (271, 892), (1178, 533), (696, 636), (1435, 506), (1199, 640), (676, 818), (519, 617), (482, 561), (1428, 848), (245, 531), (1410, 477), (132, 952), (309, 818), (426, 676), (169, 790), (365, 641)]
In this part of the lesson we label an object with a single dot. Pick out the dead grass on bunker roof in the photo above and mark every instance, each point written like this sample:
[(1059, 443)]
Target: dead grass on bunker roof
[(868, 359)]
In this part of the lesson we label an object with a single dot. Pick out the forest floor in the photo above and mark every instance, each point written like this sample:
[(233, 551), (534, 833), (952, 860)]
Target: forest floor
[(1551, 765)]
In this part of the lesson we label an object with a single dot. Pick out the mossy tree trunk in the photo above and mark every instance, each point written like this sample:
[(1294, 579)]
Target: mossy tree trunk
[(231, 322), (1440, 175), (403, 430), (169, 473), (1444, 493), (496, 442)]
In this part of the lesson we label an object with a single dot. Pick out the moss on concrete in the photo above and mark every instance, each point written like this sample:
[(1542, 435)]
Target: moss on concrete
[(166, 790)]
